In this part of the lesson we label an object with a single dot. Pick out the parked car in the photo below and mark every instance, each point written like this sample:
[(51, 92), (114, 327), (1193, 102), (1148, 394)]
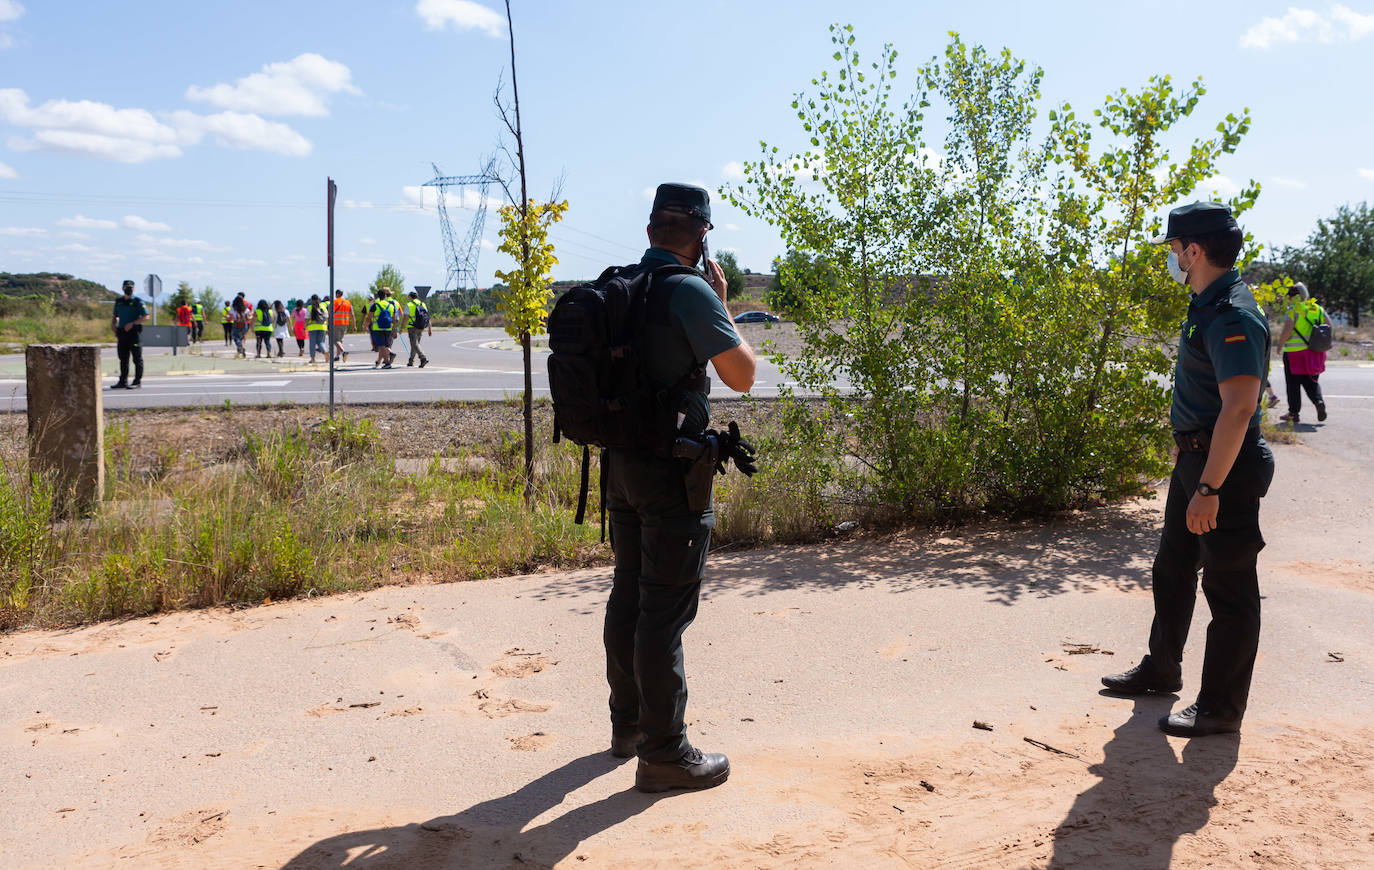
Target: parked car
[(756, 317)]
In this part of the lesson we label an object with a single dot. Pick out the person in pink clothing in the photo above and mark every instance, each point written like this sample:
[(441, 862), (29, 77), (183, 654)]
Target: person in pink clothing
[(1302, 366), (298, 326)]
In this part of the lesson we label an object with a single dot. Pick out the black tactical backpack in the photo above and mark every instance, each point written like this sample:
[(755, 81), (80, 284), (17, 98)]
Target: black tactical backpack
[(602, 394)]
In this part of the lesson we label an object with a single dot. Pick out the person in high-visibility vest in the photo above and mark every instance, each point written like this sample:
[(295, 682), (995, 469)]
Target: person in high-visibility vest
[(383, 320), (343, 322), (317, 326), (197, 321), (1302, 365), (226, 320), (262, 329), (416, 322)]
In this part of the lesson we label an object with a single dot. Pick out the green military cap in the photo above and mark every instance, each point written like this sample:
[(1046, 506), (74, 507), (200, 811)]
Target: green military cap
[(128, 285), (1197, 219), (684, 198)]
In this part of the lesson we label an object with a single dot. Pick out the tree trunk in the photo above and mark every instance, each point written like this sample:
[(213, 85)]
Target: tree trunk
[(529, 419)]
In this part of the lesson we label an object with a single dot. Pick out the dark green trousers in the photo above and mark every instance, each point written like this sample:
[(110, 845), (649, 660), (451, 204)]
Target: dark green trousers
[(660, 553)]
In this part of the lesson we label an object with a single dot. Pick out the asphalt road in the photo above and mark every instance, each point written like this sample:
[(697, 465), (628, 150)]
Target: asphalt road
[(465, 364)]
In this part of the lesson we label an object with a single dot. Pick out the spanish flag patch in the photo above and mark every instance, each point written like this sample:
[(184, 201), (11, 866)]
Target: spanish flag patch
[(1234, 338)]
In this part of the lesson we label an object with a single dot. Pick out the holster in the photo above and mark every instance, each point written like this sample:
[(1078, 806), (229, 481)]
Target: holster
[(699, 457)]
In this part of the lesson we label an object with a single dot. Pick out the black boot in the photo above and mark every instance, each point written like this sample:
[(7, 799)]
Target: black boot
[(694, 770), (1190, 722), (1321, 412), (1143, 679)]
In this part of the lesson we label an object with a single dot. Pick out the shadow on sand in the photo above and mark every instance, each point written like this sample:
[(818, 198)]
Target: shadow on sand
[(492, 833), (1147, 797), (1106, 548)]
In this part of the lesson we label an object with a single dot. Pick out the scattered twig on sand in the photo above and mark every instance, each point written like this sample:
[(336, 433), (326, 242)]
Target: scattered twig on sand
[(214, 817), (366, 704), (1082, 649), (1048, 748), (927, 786), (981, 726), (1336, 657), (898, 809)]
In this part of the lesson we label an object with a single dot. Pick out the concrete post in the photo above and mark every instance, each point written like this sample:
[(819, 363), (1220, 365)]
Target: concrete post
[(67, 423)]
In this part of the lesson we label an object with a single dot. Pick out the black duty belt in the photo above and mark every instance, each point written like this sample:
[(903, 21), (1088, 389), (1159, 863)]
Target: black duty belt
[(1200, 441)]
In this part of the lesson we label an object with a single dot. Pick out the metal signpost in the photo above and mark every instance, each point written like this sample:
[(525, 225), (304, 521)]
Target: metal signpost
[(332, 192), (153, 285)]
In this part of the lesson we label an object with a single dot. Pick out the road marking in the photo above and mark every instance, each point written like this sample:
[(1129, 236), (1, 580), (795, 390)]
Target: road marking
[(1336, 396), (267, 384)]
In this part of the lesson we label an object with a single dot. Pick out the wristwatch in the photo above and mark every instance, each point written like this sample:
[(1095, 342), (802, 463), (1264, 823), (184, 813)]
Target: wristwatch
[(1207, 489)]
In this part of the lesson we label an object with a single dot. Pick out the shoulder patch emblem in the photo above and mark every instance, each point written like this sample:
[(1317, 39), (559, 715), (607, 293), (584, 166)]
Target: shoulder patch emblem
[(1234, 338)]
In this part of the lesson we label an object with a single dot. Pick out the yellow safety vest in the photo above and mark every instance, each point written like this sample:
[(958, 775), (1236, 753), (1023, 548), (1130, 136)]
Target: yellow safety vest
[(227, 316), (1306, 313), (263, 320), (310, 324)]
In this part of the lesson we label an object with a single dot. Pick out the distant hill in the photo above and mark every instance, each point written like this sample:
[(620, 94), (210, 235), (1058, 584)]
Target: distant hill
[(54, 287)]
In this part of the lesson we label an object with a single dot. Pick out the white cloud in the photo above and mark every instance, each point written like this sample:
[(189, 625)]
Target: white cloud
[(733, 171), (1290, 183), (649, 193), (486, 245), (81, 222), (1339, 24), (293, 87), (7, 171), (134, 222), (22, 231), (1220, 184), (75, 248), (88, 128), (461, 15), (157, 242), (11, 10), (237, 130), (1366, 174)]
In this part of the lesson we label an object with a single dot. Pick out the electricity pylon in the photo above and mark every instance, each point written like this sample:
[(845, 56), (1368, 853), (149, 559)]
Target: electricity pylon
[(462, 258)]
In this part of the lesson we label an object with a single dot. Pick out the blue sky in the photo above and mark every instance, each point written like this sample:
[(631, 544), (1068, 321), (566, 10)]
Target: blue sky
[(193, 140)]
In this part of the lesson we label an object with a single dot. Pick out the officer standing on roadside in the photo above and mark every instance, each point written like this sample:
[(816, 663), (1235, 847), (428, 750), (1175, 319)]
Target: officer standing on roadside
[(1223, 469), (127, 322), (660, 543)]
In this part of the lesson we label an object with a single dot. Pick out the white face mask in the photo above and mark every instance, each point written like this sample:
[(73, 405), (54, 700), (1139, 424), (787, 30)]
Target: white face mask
[(1175, 271)]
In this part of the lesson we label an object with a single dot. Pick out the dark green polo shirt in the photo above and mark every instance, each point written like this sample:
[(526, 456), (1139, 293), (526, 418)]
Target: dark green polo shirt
[(128, 310), (698, 328), (1224, 335)]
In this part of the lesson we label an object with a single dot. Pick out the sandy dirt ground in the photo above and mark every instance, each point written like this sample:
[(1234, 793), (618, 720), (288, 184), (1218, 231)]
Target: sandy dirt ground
[(464, 725)]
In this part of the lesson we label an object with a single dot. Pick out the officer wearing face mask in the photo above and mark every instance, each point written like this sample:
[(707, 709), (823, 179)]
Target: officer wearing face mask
[(1223, 469)]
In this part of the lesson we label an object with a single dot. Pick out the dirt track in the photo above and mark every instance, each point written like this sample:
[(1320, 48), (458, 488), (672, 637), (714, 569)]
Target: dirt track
[(463, 725)]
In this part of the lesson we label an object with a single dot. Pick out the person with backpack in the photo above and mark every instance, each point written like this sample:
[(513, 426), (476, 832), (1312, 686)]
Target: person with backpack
[(243, 320), (197, 322), (262, 330), (669, 322), (317, 327), (382, 321), (1305, 339), (280, 326), (415, 321), (1222, 471), (184, 322)]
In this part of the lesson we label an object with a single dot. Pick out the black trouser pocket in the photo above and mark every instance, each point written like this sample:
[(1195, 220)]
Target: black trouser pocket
[(676, 550)]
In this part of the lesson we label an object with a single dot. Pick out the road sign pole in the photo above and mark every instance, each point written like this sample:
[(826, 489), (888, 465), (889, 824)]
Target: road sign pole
[(333, 191)]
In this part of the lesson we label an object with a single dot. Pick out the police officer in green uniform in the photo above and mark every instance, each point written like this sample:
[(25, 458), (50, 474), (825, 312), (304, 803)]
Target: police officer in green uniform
[(660, 542), (127, 322), (1223, 469)]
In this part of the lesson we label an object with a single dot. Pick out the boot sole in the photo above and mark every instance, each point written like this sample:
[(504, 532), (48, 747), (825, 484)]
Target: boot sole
[(657, 787), (1152, 690)]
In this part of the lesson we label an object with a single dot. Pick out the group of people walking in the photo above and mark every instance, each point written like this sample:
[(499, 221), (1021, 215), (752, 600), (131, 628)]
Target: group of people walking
[(308, 321)]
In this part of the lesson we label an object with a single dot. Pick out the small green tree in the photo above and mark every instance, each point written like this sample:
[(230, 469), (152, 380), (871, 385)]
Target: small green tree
[(525, 238), (387, 276), (185, 294), (213, 303), (995, 306), (734, 278)]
